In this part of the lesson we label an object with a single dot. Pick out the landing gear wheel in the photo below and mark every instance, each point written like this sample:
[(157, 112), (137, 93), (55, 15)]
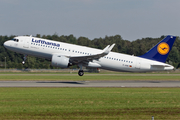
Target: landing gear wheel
[(81, 73), (23, 62)]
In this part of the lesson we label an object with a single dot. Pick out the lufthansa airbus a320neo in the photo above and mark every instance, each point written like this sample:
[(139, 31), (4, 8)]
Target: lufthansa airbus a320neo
[(64, 55)]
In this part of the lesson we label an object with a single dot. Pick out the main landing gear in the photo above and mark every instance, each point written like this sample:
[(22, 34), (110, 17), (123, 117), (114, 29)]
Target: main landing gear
[(81, 73)]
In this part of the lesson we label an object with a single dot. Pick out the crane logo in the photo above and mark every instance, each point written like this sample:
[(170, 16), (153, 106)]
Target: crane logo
[(163, 48)]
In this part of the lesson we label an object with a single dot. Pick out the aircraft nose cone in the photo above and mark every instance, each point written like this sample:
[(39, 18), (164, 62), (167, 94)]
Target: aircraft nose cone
[(5, 44)]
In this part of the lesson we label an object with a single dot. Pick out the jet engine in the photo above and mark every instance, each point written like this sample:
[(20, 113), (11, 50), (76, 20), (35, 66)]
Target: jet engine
[(60, 61)]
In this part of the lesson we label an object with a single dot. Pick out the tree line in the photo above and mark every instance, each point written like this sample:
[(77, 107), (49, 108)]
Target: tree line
[(137, 48)]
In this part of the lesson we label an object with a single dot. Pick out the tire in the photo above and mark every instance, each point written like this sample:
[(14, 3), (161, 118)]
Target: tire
[(81, 73)]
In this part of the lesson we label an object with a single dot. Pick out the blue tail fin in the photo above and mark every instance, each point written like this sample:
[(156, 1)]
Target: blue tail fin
[(161, 51)]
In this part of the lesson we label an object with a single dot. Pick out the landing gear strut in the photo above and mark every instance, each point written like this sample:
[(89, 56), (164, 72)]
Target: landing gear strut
[(81, 73), (24, 59)]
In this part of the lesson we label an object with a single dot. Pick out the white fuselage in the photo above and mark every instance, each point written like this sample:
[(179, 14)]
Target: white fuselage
[(113, 61)]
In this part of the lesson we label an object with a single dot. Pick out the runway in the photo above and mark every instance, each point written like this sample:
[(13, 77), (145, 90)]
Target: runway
[(90, 84)]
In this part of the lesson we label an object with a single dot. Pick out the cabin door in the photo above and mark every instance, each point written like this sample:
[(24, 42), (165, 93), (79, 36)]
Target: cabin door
[(138, 64), (26, 43)]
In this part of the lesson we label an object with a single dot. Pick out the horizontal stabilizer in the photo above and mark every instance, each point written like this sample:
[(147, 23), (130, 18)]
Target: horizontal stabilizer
[(162, 65)]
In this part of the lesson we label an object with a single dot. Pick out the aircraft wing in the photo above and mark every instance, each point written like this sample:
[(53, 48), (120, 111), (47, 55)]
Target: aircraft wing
[(81, 59)]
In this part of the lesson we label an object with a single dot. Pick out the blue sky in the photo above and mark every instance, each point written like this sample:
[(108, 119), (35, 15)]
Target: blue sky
[(132, 19)]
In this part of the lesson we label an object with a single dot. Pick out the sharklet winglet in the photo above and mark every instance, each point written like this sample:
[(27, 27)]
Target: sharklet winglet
[(106, 51)]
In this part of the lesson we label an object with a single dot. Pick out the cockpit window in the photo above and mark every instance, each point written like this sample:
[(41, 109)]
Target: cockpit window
[(16, 40)]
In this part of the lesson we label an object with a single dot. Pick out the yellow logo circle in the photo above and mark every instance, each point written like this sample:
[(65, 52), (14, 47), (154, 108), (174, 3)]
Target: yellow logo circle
[(163, 48)]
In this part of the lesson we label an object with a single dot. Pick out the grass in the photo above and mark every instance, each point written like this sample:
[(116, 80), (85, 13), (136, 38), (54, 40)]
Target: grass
[(89, 103), (75, 77)]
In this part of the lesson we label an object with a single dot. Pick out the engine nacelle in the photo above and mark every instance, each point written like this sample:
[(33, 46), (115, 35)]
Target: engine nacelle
[(60, 61), (93, 65)]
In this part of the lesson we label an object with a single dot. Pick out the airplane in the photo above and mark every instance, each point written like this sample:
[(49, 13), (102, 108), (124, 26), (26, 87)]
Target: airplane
[(64, 55)]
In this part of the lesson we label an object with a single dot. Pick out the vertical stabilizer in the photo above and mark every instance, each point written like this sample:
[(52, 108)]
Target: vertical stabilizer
[(161, 51)]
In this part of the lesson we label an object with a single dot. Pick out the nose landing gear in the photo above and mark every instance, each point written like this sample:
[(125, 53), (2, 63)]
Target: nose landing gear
[(24, 59)]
